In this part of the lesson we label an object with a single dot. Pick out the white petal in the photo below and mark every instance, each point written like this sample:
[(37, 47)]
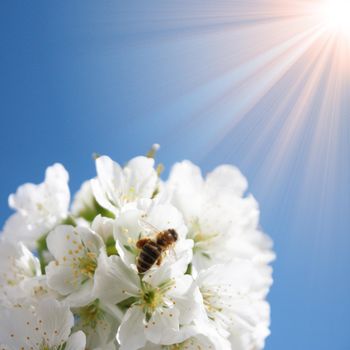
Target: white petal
[(42, 206), (163, 327), (226, 178), (109, 184), (103, 226), (56, 181), (84, 200), (17, 229), (82, 296), (63, 240), (56, 174), (187, 299), (238, 290), (16, 263), (101, 330), (166, 216), (76, 341), (50, 321), (174, 264), (101, 196), (114, 281), (242, 276), (62, 278), (57, 320), (207, 341), (25, 197), (14, 328), (31, 291), (127, 232), (131, 333), (186, 183), (68, 245), (191, 338), (141, 176), (91, 241)]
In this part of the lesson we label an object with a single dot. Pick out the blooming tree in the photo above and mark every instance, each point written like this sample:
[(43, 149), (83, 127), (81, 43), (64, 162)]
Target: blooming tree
[(135, 262)]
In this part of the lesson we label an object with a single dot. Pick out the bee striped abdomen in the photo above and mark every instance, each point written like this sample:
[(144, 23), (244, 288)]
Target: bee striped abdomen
[(149, 254), (151, 251)]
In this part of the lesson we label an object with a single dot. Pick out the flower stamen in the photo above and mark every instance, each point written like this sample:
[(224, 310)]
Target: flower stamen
[(88, 264)]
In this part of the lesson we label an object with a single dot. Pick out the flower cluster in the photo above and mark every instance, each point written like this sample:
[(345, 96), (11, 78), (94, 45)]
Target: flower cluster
[(135, 262)]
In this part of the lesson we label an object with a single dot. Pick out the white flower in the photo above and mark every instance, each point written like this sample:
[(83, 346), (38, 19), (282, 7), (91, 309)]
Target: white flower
[(84, 201), (85, 208), (199, 335), (33, 290), (158, 308), (17, 265), (234, 298), (147, 222), (46, 326), (115, 186), (75, 250), (198, 341), (39, 208), (222, 223), (146, 264), (203, 342), (99, 325), (104, 227)]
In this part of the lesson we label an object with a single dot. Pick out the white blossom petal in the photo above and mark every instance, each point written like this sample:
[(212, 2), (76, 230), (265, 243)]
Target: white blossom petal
[(163, 327), (75, 251), (39, 207), (186, 184), (226, 179), (131, 334), (49, 323), (114, 281), (115, 187), (76, 341)]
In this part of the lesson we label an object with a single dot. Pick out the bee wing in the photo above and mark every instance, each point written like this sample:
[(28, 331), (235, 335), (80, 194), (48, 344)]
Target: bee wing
[(148, 227)]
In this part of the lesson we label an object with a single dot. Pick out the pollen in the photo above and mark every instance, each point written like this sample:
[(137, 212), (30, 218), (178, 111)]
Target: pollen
[(91, 315), (211, 303), (200, 238), (87, 264), (152, 298)]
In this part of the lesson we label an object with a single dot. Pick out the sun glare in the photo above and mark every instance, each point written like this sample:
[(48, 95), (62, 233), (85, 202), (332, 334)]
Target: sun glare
[(336, 14)]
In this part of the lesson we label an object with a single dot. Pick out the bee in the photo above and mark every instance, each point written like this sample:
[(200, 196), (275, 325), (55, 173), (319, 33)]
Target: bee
[(151, 250)]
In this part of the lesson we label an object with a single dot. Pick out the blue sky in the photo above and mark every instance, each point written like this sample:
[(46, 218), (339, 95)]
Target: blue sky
[(114, 77)]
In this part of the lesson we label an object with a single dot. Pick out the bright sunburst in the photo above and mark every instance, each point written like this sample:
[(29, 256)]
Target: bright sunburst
[(281, 72), (336, 14)]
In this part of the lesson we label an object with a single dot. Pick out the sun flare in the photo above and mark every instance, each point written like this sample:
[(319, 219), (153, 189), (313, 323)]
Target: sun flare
[(336, 14)]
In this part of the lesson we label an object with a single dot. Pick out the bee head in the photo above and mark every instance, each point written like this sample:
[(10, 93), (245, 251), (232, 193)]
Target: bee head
[(174, 234)]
